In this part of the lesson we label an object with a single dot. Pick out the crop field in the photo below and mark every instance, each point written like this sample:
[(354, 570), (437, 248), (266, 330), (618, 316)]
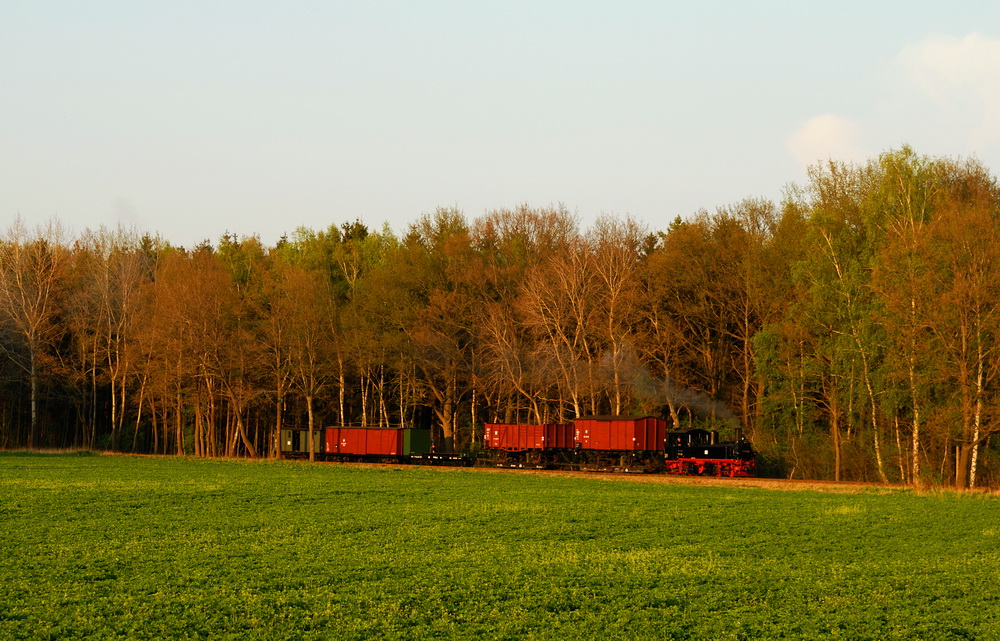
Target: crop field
[(123, 547)]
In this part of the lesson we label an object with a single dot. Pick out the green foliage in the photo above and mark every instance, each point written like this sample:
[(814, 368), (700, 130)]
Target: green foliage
[(880, 333), (166, 548)]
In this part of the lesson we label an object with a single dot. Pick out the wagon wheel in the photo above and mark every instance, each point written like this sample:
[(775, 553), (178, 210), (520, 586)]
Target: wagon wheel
[(534, 458), (502, 456)]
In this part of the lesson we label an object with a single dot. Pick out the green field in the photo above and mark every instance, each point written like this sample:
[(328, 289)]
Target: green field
[(125, 547)]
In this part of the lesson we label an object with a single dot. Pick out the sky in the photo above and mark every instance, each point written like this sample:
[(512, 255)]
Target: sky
[(194, 119)]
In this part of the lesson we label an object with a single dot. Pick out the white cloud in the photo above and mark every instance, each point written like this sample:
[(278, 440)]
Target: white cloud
[(962, 76), (826, 137)]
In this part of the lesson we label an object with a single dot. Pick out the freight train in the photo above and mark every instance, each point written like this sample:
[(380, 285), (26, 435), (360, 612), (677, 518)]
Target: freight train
[(594, 443)]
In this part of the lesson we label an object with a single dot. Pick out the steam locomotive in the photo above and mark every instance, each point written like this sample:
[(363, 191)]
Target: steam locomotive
[(595, 443)]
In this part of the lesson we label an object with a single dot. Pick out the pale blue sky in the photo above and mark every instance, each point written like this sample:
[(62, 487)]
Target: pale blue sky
[(194, 118)]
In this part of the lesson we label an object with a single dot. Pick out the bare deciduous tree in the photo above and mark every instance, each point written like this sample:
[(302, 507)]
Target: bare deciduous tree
[(32, 268)]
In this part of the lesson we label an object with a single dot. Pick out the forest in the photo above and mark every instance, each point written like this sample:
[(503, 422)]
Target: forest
[(852, 330)]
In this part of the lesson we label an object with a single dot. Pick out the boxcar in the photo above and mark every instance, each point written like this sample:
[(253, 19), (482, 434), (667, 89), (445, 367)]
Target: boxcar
[(615, 433), (627, 444), (373, 443), (516, 445)]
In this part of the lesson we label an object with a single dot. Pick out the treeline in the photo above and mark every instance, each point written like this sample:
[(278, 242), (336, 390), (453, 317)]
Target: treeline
[(851, 330)]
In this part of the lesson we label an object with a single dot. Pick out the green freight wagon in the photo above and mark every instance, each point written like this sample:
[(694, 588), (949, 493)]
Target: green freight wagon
[(416, 441), (296, 442)]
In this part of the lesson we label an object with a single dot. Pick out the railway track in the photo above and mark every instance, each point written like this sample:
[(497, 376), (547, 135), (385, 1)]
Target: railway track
[(739, 482)]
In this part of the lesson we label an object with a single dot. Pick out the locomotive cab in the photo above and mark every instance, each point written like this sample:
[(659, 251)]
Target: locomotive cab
[(679, 444)]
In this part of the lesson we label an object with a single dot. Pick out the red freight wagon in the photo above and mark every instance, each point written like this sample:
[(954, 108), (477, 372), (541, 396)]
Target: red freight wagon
[(615, 433), (361, 441), (520, 438)]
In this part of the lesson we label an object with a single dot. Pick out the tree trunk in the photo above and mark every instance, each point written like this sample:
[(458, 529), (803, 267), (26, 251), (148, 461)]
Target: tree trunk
[(114, 414), (199, 429), (33, 435), (179, 426), (242, 432), (900, 450), (138, 413), (915, 445), (447, 417), (156, 429), (383, 410), (835, 435), (874, 417), (364, 398), (276, 441), (977, 419), (309, 409), (342, 381), (962, 453)]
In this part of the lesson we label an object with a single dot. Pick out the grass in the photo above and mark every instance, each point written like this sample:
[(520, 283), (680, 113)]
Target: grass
[(121, 547)]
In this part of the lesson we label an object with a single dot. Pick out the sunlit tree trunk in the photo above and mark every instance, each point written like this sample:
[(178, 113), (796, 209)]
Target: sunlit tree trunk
[(312, 427)]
